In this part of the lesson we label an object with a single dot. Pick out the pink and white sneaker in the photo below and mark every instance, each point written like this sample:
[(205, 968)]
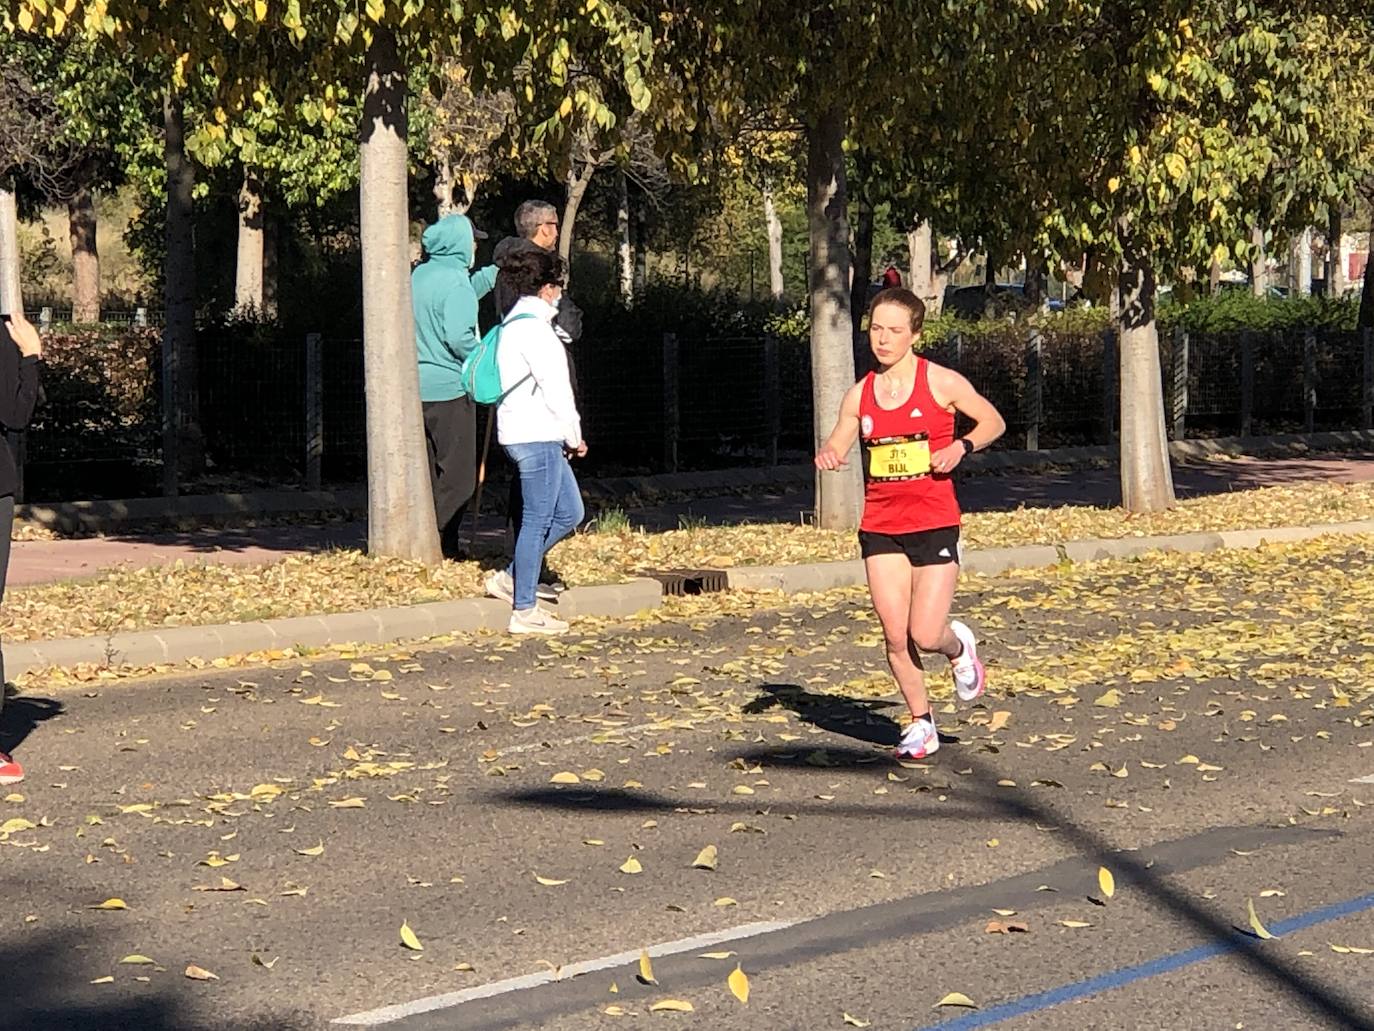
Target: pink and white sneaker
[(10, 771), (919, 740), (969, 676)]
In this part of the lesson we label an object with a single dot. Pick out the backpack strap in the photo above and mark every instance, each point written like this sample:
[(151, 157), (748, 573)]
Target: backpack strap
[(527, 376)]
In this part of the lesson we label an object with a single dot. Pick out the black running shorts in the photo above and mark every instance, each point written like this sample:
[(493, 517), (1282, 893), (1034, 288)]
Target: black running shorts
[(922, 548)]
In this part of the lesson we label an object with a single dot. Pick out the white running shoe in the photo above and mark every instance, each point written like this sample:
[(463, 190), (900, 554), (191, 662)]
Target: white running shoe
[(500, 585), (919, 740), (969, 676), (535, 621)]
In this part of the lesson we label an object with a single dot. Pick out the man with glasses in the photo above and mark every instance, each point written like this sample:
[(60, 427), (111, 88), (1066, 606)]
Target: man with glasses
[(536, 226)]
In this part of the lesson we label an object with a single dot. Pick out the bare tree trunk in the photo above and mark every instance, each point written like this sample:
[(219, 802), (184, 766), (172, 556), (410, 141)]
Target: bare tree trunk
[(444, 187), (1259, 265), (81, 223), (179, 278), (248, 277), (641, 275), (862, 273), (839, 495), (1367, 297), (1335, 265), (11, 296), (921, 276), (271, 260), (1036, 289), (577, 189), (1147, 483), (625, 272), (1214, 278), (773, 226), (1303, 266), (400, 503)]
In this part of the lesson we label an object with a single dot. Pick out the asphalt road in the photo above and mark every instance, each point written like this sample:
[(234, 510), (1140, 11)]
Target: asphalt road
[(347, 796)]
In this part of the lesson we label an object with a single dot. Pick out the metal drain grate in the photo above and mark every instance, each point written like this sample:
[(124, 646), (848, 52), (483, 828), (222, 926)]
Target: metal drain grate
[(689, 581)]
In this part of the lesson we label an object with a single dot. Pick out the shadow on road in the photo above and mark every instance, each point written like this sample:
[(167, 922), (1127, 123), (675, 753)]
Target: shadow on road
[(44, 985), (983, 797), (21, 716)]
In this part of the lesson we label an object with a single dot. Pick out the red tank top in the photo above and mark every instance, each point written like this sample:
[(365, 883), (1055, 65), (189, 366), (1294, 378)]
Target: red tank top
[(901, 495)]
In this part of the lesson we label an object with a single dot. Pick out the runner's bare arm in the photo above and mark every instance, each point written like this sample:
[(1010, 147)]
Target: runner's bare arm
[(954, 391), (832, 454)]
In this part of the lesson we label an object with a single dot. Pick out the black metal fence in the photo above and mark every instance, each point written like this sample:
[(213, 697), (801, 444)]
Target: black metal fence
[(289, 412)]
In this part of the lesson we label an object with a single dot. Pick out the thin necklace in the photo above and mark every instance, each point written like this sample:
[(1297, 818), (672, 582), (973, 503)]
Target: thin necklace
[(893, 388)]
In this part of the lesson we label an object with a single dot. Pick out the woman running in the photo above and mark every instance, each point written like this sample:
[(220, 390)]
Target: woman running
[(909, 535)]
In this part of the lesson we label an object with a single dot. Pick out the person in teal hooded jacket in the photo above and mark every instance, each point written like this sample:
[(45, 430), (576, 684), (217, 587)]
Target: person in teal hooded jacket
[(444, 292)]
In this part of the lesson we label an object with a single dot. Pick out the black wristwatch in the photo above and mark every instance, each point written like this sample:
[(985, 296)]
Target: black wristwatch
[(968, 445)]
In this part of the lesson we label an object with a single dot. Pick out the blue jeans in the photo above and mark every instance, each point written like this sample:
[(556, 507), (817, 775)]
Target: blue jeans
[(553, 509)]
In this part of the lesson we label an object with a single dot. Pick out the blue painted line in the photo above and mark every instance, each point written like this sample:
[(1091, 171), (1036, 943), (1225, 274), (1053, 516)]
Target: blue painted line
[(1140, 972)]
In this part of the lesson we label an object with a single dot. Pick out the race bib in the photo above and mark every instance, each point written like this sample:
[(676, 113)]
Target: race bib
[(899, 458)]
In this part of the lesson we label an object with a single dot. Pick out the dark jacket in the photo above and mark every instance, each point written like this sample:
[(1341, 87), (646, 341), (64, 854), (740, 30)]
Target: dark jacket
[(569, 318), (567, 323), (18, 393)]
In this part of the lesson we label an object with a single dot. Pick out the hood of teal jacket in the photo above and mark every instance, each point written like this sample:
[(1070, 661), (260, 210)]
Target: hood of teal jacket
[(450, 241)]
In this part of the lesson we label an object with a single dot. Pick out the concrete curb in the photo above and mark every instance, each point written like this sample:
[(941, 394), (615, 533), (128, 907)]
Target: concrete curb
[(820, 576), (385, 626), (374, 626)]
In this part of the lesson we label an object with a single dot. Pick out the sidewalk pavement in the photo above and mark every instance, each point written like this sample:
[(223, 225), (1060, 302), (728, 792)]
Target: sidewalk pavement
[(36, 562)]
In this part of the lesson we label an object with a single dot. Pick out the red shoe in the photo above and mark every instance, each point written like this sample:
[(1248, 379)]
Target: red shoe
[(10, 771)]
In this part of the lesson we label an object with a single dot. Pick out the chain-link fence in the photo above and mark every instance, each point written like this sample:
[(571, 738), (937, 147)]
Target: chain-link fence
[(278, 410)]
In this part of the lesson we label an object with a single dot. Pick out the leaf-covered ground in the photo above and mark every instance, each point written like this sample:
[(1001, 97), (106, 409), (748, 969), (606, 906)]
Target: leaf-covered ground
[(400, 823), (344, 581)]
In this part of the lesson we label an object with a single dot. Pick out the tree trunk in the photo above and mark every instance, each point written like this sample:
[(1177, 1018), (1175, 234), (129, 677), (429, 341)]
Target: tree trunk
[(1259, 266), (1367, 297), (1147, 483), (1335, 265), (400, 503), (271, 262), (577, 189), (81, 222), (641, 275), (773, 226), (839, 495), (179, 279), (862, 273), (248, 278), (11, 296), (1035, 289), (1214, 278), (1302, 264), (444, 187), (625, 272), (921, 273)]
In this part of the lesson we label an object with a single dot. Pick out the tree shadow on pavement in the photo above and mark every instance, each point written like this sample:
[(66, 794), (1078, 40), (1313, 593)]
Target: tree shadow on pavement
[(982, 786), (21, 716), (45, 986)]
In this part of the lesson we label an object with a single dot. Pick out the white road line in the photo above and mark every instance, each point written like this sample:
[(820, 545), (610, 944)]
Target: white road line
[(386, 1014), (1368, 779)]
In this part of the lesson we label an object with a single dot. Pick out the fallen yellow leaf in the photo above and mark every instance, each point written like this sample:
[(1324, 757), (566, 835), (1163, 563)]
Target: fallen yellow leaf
[(956, 999), (1260, 930), (646, 969), (672, 1006), (548, 881), (196, 973), (706, 858), (111, 904), (631, 865), (739, 985), (1106, 882), (409, 940)]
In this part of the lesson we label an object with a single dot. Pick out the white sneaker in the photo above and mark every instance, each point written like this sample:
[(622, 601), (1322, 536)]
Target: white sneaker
[(500, 585), (535, 621), (919, 740), (969, 676)]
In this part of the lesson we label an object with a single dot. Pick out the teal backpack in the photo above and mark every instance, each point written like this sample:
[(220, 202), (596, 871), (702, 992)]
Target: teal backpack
[(481, 376)]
